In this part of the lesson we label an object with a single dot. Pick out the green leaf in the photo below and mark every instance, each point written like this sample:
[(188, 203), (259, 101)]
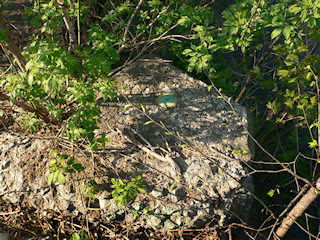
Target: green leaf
[(184, 21), (234, 30), (67, 170), (317, 124), (276, 32), (78, 167), (244, 151), (313, 144), (286, 32), (283, 73), (142, 190), (55, 176), (237, 151), (304, 15), (309, 76), (143, 108), (54, 153), (127, 106), (50, 178), (52, 162), (148, 122), (75, 236), (271, 193), (61, 178), (71, 161), (295, 9)]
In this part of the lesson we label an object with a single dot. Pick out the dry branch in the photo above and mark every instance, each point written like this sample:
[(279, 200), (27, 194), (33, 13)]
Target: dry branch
[(41, 112), (261, 59), (13, 48), (299, 208), (174, 165), (128, 26), (66, 19)]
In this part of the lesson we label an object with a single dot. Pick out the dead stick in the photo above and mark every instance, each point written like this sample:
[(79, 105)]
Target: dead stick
[(167, 159), (128, 26), (66, 19), (296, 212), (261, 59), (41, 112), (13, 48)]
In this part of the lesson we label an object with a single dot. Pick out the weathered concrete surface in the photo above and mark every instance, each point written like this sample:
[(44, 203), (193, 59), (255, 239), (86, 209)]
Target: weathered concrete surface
[(211, 184), (204, 181)]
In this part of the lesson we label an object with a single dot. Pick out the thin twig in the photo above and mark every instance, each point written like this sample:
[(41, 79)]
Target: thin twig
[(9, 213), (261, 59), (167, 159), (125, 35)]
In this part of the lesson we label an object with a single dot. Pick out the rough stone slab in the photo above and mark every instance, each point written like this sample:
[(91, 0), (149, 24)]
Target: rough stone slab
[(209, 187), (205, 122)]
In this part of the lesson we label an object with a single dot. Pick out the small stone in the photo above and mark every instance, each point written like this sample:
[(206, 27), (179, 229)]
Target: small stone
[(176, 218), (111, 217), (168, 225), (180, 193), (136, 206), (168, 210), (192, 213), (234, 184), (154, 222), (112, 208), (103, 203), (156, 193)]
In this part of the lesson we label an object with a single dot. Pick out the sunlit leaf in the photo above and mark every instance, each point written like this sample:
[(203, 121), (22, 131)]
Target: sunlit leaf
[(276, 32)]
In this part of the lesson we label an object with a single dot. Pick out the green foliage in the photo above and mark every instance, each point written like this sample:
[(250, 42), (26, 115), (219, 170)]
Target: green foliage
[(30, 122), (123, 193), (3, 35), (273, 191), (47, 15), (90, 188), (240, 151), (60, 165), (80, 236), (54, 81)]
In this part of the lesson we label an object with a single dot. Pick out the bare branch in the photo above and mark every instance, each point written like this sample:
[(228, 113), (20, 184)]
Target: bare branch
[(66, 19), (299, 208), (13, 48), (125, 35), (41, 112), (261, 59)]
